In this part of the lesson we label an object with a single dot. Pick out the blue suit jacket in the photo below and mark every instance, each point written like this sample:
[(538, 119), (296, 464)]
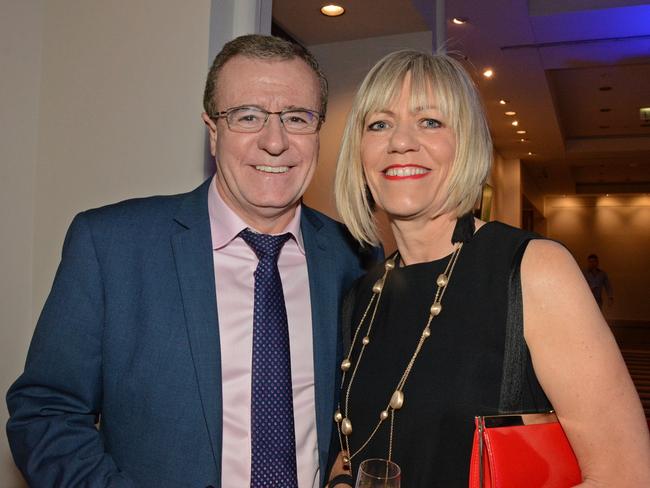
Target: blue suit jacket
[(122, 385)]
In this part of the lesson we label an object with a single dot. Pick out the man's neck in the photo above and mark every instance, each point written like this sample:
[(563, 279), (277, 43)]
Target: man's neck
[(264, 220)]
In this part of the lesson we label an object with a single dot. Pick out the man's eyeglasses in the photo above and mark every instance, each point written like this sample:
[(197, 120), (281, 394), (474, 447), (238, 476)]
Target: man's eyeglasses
[(252, 119)]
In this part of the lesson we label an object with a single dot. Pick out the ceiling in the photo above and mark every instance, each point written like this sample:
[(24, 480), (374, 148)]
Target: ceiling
[(576, 72)]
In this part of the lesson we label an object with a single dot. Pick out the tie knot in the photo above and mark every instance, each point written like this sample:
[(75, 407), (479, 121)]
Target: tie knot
[(264, 245)]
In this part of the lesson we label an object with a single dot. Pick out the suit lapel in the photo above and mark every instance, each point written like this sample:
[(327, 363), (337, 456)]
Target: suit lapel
[(192, 247), (323, 290)]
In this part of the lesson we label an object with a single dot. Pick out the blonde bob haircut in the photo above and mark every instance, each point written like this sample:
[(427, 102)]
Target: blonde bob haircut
[(457, 99)]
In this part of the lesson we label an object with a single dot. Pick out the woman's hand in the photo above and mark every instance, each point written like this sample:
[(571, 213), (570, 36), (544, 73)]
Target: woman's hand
[(580, 368), (339, 468)]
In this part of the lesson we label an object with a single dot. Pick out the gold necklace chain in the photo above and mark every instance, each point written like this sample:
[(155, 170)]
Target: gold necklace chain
[(396, 402)]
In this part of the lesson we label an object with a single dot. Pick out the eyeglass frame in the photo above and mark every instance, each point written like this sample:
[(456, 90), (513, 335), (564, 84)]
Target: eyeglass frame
[(225, 113)]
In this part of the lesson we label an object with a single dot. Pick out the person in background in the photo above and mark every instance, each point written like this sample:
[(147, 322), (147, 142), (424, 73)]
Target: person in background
[(597, 280), (428, 327), (191, 340)]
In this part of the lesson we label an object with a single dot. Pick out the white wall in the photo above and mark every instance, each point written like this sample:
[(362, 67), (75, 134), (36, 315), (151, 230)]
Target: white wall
[(119, 117), (20, 57)]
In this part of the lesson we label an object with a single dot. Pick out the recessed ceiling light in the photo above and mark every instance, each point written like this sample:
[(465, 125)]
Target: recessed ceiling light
[(530, 153), (515, 123), (521, 132), (511, 112), (488, 72), (503, 102), (332, 10), (460, 20)]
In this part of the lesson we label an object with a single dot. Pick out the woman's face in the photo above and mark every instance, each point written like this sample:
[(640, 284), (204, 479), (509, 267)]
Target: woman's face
[(407, 156)]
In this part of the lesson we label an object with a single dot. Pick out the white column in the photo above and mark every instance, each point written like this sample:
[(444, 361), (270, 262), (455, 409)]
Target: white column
[(441, 27), (232, 18)]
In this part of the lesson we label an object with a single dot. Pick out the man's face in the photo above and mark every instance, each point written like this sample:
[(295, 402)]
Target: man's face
[(592, 263), (263, 175)]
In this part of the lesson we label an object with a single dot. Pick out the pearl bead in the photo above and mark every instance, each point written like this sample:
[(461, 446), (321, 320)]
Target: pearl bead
[(346, 426), (378, 286), (389, 264), (346, 460), (345, 365), (365, 340), (383, 415), (426, 332), (338, 416), (397, 400), (435, 309), (442, 280)]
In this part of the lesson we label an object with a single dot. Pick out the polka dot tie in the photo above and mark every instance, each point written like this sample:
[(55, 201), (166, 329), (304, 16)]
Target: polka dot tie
[(273, 439)]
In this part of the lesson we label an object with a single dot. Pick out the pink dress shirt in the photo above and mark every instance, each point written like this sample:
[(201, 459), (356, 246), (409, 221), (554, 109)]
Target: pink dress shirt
[(234, 265)]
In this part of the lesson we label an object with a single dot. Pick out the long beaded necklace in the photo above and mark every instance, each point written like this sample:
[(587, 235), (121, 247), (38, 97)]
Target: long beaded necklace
[(396, 402)]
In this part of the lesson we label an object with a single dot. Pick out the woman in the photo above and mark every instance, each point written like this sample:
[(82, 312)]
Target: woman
[(427, 351)]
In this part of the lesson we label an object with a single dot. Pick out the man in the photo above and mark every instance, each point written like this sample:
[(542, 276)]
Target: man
[(168, 354), (598, 280)]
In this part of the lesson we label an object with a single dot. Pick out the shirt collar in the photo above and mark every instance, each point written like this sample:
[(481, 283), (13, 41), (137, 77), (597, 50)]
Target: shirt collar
[(225, 224)]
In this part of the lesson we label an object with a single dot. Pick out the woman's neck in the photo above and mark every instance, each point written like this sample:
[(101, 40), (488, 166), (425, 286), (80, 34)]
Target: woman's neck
[(421, 241)]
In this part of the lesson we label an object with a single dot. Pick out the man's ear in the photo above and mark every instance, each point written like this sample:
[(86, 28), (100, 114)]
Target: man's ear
[(212, 132)]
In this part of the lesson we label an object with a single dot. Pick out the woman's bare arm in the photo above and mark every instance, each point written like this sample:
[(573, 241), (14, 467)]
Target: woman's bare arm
[(579, 366)]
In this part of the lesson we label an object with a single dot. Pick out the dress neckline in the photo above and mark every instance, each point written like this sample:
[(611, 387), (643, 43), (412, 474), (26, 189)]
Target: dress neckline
[(402, 266)]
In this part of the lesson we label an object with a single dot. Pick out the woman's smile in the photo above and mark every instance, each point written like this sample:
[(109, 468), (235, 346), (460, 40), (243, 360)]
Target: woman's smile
[(405, 171)]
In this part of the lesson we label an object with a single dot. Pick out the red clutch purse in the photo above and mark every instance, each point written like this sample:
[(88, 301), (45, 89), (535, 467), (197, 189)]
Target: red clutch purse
[(508, 454)]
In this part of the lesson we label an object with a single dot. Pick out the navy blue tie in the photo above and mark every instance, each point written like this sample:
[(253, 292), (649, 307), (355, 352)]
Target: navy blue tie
[(273, 438)]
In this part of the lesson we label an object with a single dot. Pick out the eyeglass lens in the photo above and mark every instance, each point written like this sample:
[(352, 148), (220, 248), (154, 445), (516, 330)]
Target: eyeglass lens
[(251, 119)]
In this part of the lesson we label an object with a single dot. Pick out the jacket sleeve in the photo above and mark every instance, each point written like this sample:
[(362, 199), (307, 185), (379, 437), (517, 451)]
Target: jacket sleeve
[(55, 404)]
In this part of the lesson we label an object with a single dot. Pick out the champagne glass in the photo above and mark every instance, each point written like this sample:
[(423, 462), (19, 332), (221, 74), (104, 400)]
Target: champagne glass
[(378, 473)]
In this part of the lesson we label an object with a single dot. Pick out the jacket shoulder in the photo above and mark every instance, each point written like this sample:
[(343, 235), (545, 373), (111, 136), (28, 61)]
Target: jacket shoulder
[(138, 208), (341, 239), (140, 220)]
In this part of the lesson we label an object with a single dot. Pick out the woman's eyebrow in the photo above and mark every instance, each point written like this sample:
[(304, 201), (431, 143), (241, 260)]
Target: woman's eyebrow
[(387, 111), (384, 111), (421, 108)]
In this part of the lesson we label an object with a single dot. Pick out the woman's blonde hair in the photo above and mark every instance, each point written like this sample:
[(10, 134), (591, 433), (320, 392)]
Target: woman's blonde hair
[(457, 99)]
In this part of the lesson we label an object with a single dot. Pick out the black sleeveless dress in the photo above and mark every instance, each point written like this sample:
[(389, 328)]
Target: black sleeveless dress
[(457, 374)]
